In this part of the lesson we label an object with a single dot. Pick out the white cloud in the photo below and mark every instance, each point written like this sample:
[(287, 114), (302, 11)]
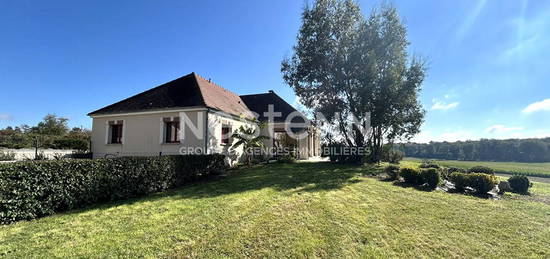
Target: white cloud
[(501, 129), (537, 106), (5, 117), (443, 106)]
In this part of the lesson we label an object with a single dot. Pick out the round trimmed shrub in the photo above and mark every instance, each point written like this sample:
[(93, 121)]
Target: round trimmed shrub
[(431, 176), (482, 170), (429, 164), (459, 180), (411, 175), (481, 182), (520, 184), (392, 171)]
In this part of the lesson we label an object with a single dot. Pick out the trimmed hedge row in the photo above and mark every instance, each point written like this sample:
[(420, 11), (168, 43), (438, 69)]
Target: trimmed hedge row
[(29, 190)]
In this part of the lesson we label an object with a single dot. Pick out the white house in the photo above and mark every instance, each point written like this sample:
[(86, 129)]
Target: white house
[(194, 115)]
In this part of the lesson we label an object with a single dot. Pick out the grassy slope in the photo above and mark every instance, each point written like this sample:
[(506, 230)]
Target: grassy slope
[(300, 210), (531, 169)]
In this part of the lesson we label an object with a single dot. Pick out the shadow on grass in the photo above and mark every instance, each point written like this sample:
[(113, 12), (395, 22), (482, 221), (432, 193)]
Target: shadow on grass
[(424, 188), (301, 177), (298, 177)]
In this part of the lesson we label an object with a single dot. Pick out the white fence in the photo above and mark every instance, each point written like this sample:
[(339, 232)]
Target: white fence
[(23, 154)]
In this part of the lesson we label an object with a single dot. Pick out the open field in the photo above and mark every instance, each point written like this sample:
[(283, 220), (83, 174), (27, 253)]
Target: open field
[(529, 169), (294, 210)]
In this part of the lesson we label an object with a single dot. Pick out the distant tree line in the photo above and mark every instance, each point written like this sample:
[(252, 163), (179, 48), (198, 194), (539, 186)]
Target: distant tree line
[(51, 132), (509, 150)]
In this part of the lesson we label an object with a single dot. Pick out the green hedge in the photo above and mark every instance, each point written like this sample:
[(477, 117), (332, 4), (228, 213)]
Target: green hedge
[(411, 175), (29, 190), (482, 183), (431, 176), (520, 184)]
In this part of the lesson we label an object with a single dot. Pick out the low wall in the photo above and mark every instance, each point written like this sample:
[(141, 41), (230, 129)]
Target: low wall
[(22, 154)]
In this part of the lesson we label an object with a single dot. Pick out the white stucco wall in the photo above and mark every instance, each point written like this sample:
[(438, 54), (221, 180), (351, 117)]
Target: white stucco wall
[(143, 134)]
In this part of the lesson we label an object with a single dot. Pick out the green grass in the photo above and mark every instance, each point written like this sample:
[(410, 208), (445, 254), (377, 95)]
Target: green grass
[(528, 169), (293, 210)]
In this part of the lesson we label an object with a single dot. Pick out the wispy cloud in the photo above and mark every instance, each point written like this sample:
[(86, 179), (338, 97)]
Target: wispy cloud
[(470, 20), (501, 129), (5, 117), (532, 38), (443, 106), (449, 136), (537, 106)]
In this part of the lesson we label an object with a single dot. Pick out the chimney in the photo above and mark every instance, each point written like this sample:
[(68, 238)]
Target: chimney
[(271, 92)]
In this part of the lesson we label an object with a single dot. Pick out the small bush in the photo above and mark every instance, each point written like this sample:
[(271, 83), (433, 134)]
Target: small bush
[(7, 156), (520, 184), (392, 171), (482, 170), (392, 156), (429, 164), (411, 175), (482, 183), (431, 176), (33, 189), (286, 159), (459, 180)]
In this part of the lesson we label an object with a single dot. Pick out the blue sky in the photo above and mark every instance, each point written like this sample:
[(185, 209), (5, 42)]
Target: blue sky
[(488, 60)]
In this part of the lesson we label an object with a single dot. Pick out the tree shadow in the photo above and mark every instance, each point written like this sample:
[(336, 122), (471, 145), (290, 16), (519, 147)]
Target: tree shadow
[(294, 177)]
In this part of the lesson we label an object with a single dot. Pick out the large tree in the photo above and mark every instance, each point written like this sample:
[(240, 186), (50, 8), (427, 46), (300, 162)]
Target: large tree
[(346, 66)]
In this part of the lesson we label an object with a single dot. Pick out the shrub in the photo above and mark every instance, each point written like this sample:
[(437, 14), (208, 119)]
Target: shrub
[(392, 156), (7, 156), (30, 190), (392, 171), (459, 180), (482, 170), (482, 183), (411, 175), (431, 176), (286, 159), (520, 184), (429, 164)]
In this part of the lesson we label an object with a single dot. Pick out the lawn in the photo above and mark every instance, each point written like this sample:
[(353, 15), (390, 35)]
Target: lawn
[(529, 169), (294, 210)]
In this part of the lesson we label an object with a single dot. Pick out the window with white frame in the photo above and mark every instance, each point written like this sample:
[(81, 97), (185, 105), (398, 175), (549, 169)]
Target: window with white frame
[(115, 132), (172, 130)]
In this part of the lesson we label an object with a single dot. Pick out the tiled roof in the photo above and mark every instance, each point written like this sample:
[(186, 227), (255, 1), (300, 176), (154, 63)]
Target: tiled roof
[(187, 91), (259, 103)]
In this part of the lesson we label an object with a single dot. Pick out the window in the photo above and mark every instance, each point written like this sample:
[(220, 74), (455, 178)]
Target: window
[(115, 132), (226, 134), (171, 130)]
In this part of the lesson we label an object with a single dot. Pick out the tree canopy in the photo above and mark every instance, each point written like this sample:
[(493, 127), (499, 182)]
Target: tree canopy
[(346, 66)]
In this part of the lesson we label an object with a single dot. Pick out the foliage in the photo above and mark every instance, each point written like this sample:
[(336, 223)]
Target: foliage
[(429, 164), (431, 176), (411, 175), (511, 150), (51, 125), (392, 155), (249, 138), (7, 155), (481, 169), (52, 132), (392, 171), (302, 210), (286, 159), (345, 66), (30, 190), (482, 183), (337, 152), (520, 184), (527, 169)]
